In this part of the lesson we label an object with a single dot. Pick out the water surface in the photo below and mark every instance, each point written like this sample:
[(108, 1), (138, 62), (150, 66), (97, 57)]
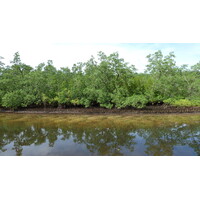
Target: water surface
[(85, 135)]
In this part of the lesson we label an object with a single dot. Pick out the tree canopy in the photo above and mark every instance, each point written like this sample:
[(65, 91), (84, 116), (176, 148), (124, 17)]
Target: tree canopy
[(107, 81)]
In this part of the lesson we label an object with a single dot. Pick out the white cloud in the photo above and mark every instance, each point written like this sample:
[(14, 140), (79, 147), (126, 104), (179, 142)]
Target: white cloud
[(42, 30), (67, 54)]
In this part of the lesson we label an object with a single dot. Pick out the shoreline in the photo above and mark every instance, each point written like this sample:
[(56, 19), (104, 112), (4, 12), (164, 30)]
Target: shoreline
[(100, 111)]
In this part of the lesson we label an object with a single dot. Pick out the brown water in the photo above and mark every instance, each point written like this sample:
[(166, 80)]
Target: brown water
[(85, 135)]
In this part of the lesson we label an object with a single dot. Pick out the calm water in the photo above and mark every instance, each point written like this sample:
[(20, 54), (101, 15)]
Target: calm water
[(85, 135)]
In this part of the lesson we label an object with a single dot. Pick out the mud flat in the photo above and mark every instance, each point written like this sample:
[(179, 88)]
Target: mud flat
[(148, 110)]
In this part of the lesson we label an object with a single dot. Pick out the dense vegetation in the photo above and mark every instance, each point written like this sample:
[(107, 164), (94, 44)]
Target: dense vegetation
[(106, 82)]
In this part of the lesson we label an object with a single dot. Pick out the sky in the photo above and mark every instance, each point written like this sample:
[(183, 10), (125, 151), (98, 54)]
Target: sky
[(67, 54), (68, 32)]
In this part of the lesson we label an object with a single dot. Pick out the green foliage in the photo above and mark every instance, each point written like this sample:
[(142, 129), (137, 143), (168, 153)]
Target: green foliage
[(183, 102), (75, 102), (160, 65), (11, 100), (196, 68), (137, 101), (63, 97), (17, 99), (106, 82)]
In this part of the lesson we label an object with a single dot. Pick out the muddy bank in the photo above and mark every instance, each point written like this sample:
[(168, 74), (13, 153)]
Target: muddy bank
[(148, 110)]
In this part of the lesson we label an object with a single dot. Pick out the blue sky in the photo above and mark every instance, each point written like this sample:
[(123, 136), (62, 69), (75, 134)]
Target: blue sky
[(66, 54), (186, 53)]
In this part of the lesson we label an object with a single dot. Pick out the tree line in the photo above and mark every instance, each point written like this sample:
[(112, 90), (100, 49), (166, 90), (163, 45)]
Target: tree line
[(107, 82)]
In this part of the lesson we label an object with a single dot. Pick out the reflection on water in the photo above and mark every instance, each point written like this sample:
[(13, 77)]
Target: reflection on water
[(99, 135)]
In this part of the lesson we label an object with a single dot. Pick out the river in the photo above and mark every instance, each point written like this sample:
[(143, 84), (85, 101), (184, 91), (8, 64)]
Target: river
[(99, 135)]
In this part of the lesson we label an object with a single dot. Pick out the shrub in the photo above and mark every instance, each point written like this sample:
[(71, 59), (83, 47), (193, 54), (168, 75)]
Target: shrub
[(12, 99), (18, 98), (137, 101), (183, 102), (169, 101)]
